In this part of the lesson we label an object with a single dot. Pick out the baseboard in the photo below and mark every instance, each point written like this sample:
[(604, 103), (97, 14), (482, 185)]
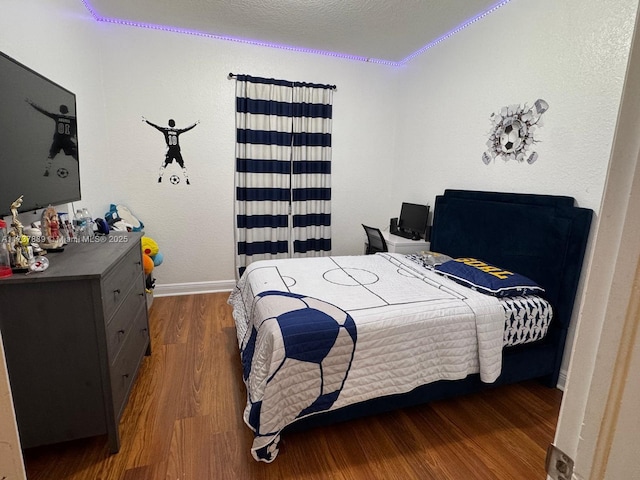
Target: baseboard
[(562, 379), (192, 288)]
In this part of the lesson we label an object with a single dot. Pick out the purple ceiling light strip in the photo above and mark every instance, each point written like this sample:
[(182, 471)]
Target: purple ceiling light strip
[(166, 28), (93, 13), (453, 32)]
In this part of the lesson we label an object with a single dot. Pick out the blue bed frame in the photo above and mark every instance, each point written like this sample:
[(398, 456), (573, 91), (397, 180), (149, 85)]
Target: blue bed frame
[(543, 237)]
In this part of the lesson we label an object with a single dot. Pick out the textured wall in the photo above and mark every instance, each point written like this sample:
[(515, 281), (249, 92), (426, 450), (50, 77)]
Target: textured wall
[(398, 135), (573, 54), (162, 75), (121, 73)]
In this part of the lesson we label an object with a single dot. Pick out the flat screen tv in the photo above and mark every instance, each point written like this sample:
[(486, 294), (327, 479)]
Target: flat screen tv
[(38, 140)]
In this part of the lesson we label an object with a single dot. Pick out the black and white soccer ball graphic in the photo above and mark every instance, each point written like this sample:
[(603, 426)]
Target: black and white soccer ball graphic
[(174, 179), (511, 138), (62, 172), (513, 131)]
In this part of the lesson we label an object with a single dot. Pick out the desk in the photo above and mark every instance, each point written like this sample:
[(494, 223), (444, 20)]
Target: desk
[(397, 244)]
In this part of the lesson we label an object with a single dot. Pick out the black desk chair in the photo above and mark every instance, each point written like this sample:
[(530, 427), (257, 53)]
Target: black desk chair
[(375, 240)]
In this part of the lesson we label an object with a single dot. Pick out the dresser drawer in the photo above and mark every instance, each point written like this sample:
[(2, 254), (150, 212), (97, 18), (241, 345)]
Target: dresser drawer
[(125, 365), (123, 321), (118, 281)]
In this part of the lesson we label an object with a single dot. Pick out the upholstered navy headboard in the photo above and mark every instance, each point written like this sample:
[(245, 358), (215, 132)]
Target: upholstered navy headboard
[(543, 237)]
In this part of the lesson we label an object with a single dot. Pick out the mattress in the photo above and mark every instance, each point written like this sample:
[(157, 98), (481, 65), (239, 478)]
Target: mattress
[(527, 319), (383, 325)]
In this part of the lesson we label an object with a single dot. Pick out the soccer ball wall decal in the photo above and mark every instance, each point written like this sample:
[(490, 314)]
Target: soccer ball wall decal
[(512, 132), (62, 172), (174, 179)]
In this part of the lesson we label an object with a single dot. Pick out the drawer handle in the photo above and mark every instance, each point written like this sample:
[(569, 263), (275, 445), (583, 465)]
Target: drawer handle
[(125, 375), (121, 331)]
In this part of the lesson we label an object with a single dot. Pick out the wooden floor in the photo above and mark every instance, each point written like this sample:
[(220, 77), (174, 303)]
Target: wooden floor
[(183, 421)]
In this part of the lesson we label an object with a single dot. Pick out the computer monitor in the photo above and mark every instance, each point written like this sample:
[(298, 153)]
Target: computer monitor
[(413, 219)]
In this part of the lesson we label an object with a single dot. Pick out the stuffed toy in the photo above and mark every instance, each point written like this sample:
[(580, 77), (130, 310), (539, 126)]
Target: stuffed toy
[(147, 264), (149, 246), (157, 259), (151, 256), (120, 218)]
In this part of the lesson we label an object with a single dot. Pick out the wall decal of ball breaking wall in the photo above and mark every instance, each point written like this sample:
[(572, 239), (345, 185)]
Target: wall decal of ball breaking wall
[(512, 134)]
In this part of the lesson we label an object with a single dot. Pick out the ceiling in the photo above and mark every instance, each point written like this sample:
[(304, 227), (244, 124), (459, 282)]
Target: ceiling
[(388, 31)]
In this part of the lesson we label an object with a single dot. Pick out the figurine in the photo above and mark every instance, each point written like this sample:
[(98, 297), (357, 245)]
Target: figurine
[(14, 213), (20, 261), (50, 227)]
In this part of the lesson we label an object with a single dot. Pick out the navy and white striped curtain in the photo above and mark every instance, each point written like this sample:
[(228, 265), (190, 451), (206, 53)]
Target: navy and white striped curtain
[(283, 169)]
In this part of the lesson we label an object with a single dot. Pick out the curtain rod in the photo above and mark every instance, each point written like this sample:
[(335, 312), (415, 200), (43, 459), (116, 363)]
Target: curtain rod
[(332, 87)]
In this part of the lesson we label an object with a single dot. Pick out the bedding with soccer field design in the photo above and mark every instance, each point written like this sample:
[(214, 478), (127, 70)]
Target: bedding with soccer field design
[(316, 334)]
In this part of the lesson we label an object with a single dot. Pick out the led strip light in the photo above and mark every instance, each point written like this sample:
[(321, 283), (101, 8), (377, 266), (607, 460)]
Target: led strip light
[(166, 28)]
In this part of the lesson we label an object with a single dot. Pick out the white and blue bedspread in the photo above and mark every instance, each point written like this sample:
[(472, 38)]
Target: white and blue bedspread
[(317, 334)]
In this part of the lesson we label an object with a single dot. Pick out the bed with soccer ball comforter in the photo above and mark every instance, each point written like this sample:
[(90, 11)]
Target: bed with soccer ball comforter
[(317, 334), (334, 338)]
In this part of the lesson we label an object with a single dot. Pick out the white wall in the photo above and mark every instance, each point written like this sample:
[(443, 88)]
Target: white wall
[(165, 75), (123, 73), (425, 131), (573, 54)]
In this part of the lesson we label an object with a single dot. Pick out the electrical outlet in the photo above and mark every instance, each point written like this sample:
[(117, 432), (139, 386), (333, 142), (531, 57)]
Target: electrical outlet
[(559, 465)]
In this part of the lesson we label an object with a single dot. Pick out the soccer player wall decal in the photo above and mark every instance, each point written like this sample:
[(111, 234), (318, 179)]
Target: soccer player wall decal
[(171, 137), (64, 136)]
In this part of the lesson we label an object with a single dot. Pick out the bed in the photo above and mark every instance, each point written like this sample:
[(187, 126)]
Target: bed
[(333, 338)]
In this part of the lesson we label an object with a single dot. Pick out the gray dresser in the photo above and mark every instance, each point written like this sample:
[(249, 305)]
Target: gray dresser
[(74, 337)]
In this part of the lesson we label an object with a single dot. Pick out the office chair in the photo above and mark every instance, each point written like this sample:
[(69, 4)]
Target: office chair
[(375, 240)]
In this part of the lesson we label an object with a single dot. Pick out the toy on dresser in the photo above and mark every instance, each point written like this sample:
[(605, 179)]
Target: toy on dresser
[(18, 242), (23, 244), (51, 235), (120, 218)]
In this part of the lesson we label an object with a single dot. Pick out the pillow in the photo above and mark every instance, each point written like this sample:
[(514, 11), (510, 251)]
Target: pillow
[(489, 279), (428, 259)]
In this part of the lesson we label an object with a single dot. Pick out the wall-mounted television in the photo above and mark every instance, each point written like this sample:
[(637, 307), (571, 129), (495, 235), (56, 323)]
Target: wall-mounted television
[(38, 140)]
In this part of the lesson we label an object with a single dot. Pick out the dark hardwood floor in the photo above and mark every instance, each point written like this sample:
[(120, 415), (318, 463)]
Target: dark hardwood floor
[(184, 421)]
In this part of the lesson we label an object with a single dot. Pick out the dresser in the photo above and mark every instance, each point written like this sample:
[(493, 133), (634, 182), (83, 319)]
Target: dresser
[(74, 338)]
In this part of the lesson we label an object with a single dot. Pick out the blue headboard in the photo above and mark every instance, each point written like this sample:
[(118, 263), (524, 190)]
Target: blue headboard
[(543, 237)]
